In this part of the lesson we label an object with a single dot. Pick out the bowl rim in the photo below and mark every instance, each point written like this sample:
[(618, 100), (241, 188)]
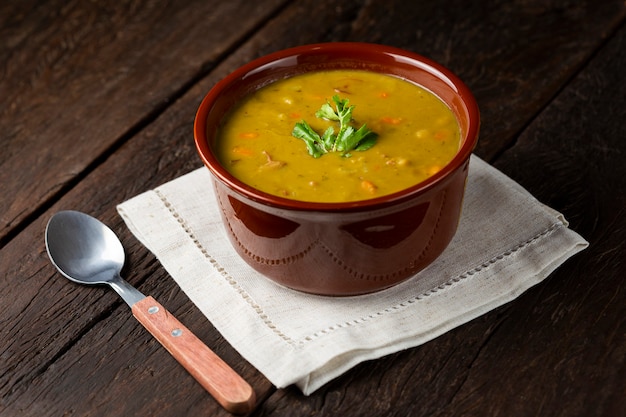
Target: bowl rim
[(398, 54)]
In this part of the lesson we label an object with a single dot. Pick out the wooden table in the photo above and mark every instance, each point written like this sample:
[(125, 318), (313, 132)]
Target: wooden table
[(97, 101)]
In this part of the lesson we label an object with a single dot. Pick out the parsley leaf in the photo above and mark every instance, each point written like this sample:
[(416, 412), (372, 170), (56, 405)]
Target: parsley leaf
[(314, 143), (346, 140)]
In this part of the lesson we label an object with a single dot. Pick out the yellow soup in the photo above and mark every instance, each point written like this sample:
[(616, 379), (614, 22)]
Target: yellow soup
[(417, 135)]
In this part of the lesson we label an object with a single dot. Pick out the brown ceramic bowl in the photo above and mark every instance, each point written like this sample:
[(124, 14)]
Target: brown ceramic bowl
[(340, 248)]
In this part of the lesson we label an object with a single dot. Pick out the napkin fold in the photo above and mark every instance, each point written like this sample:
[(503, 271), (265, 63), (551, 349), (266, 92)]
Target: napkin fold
[(507, 241)]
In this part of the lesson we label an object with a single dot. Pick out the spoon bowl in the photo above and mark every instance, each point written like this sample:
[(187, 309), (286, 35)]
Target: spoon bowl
[(94, 258), (86, 251)]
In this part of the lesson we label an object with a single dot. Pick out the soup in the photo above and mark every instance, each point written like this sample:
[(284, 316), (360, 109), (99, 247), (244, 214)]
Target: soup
[(417, 135)]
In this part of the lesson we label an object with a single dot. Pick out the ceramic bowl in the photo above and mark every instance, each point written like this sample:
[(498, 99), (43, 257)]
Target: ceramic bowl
[(349, 248)]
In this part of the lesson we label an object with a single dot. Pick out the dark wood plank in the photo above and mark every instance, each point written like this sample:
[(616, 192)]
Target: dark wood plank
[(79, 77), (571, 157), (46, 356)]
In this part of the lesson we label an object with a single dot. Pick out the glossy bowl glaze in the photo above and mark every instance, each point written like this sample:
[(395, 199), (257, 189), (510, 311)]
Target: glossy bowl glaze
[(340, 248)]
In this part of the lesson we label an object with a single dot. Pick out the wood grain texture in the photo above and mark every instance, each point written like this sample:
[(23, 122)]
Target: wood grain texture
[(571, 158), (77, 78), (68, 349)]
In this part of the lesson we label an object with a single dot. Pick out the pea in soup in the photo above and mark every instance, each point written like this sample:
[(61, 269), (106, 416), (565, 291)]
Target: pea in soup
[(417, 136)]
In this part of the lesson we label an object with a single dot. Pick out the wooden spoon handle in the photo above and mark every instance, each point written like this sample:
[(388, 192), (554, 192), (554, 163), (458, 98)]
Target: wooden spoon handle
[(219, 379)]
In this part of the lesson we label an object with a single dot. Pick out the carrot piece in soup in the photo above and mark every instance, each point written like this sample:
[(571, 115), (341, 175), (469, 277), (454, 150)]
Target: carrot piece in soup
[(249, 135), (391, 120), (240, 150), (368, 186), (441, 135)]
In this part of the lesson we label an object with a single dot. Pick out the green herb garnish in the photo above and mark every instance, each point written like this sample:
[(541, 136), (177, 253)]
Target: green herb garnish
[(346, 140)]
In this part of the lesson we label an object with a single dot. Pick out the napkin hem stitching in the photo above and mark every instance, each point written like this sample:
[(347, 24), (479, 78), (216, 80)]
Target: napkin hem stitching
[(330, 329), (448, 284), (221, 270)]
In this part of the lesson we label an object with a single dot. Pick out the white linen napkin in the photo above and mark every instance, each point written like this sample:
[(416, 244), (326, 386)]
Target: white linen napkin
[(507, 242)]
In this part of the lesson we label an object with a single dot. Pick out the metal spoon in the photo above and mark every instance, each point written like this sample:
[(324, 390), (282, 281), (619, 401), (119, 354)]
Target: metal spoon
[(86, 251)]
